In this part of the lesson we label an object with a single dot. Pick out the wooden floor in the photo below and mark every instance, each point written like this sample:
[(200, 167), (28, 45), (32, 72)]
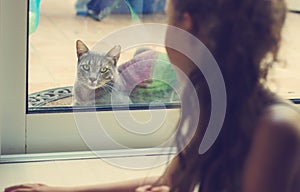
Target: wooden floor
[(53, 56)]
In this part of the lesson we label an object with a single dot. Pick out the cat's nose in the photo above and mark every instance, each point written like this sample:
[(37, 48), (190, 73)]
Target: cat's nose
[(92, 79)]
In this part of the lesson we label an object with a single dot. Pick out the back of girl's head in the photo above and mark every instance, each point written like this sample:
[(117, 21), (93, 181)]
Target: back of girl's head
[(240, 33)]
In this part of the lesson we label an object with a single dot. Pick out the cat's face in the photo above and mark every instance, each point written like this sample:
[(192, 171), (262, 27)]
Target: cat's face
[(95, 69)]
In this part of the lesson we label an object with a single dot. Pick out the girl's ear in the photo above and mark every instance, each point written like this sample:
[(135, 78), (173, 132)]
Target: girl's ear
[(186, 22), (81, 48), (114, 53)]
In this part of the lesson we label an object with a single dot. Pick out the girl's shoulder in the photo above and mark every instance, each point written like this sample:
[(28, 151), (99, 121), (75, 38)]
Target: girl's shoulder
[(273, 161), (280, 119), (282, 113), (275, 113)]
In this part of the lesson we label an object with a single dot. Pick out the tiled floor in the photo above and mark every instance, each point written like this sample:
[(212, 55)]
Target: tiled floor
[(53, 56), (286, 77)]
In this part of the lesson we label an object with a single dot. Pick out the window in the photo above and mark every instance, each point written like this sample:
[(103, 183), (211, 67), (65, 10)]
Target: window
[(44, 61), (284, 77), (51, 124), (53, 60)]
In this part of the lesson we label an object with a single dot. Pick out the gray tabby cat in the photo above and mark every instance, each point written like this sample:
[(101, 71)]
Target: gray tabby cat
[(96, 74)]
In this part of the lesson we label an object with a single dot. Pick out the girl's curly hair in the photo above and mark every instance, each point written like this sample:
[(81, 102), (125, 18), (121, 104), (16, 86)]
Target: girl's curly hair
[(244, 36)]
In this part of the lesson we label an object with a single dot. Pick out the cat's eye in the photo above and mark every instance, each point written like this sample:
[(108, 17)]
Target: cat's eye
[(86, 67), (104, 70)]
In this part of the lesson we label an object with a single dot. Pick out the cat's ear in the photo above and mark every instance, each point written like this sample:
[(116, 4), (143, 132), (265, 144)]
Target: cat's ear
[(81, 48), (114, 53)]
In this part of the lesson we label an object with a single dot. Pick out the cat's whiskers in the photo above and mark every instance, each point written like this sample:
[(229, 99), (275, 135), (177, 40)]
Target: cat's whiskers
[(111, 87)]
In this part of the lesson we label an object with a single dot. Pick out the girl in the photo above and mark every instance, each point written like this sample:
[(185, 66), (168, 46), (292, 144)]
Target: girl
[(258, 147)]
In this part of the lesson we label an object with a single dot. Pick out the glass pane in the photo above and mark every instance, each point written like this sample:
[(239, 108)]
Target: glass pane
[(64, 72), (284, 77), (53, 68)]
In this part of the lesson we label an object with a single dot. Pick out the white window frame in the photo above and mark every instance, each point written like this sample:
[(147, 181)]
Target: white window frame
[(13, 60)]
